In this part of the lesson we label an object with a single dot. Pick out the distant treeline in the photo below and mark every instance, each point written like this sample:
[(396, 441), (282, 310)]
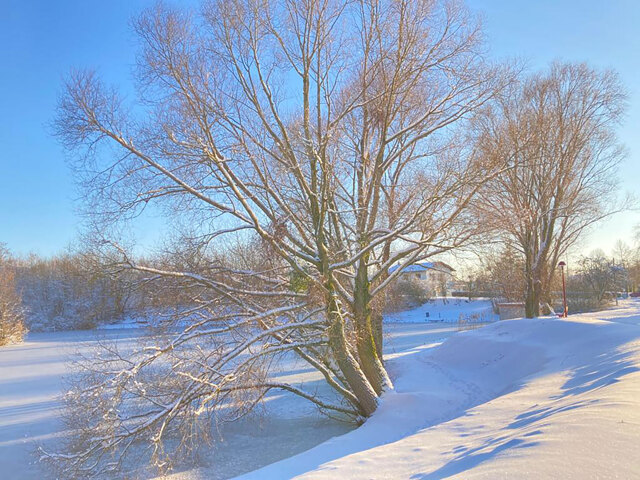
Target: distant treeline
[(77, 291)]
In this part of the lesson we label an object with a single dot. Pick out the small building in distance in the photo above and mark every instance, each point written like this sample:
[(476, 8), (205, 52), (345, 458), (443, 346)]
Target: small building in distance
[(436, 277)]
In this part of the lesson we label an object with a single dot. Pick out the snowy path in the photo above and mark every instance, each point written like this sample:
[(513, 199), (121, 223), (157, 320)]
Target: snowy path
[(31, 381), (545, 398)]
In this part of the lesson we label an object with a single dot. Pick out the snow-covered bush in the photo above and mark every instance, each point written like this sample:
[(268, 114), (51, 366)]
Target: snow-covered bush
[(404, 294), (12, 327)]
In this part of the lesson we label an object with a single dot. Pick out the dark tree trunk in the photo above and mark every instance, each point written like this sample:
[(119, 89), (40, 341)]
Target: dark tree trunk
[(532, 300), (533, 290), (366, 344), (353, 374), (377, 333)]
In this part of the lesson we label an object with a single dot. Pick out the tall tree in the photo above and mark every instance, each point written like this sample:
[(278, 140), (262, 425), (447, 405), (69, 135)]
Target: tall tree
[(557, 130), (626, 257), (600, 276), (323, 131)]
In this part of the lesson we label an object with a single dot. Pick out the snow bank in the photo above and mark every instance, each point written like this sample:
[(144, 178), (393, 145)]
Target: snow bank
[(546, 398)]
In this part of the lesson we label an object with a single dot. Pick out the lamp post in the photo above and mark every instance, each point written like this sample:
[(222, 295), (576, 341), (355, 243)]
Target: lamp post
[(564, 291), (615, 284)]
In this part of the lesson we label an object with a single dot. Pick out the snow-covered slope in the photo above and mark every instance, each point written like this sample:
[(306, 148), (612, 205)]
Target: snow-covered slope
[(546, 398), (446, 310)]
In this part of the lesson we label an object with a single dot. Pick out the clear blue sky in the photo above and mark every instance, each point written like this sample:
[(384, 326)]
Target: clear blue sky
[(602, 33), (40, 41)]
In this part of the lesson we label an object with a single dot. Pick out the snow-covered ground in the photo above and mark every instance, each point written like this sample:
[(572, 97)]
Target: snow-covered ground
[(447, 310), (547, 398), (31, 381)]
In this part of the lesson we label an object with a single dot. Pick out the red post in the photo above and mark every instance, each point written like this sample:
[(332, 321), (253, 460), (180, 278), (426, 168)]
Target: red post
[(564, 291)]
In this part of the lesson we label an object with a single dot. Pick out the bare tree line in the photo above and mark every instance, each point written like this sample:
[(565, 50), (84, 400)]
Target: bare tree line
[(80, 290), (593, 280)]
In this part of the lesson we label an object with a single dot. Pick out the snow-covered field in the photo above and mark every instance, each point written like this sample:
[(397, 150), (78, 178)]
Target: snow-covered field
[(547, 398)]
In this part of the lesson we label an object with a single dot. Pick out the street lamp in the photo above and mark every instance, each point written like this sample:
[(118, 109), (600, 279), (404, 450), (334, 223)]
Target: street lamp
[(564, 291), (615, 284)]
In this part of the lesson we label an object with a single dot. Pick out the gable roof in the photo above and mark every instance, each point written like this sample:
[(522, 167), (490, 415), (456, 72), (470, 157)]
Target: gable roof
[(423, 267)]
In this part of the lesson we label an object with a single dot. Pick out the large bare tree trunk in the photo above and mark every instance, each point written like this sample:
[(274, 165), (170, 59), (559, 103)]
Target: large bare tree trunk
[(352, 371), (532, 299), (370, 359)]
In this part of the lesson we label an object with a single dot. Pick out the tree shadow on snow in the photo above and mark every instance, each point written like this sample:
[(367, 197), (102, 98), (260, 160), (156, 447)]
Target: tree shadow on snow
[(611, 364), (608, 369), (469, 458)]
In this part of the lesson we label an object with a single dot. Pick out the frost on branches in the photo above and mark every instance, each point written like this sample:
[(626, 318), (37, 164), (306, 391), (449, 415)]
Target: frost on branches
[(312, 136)]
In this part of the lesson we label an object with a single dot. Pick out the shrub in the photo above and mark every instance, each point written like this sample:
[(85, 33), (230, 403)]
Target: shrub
[(405, 294), (12, 328)]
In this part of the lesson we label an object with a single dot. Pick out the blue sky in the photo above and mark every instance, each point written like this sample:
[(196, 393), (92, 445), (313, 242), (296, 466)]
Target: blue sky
[(602, 33), (40, 41)]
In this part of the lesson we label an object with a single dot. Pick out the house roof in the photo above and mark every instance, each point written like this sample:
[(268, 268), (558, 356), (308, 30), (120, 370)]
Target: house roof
[(423, 267)]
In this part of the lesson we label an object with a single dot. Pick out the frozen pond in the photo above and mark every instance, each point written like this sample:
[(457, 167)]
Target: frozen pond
[(31, 380)]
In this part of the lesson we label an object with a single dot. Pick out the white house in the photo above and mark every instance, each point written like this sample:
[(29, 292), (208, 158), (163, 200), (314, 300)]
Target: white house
[(437, 277)]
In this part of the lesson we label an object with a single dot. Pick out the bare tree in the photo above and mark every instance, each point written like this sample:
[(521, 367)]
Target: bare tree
[(558, 132), (623, 253), (505, 271), (600, 276), (12, 327), (626, 258), (321, 133)]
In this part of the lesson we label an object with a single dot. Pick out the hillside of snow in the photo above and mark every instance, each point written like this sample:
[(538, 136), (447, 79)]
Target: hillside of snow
[(544, 398), (449, 310)]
